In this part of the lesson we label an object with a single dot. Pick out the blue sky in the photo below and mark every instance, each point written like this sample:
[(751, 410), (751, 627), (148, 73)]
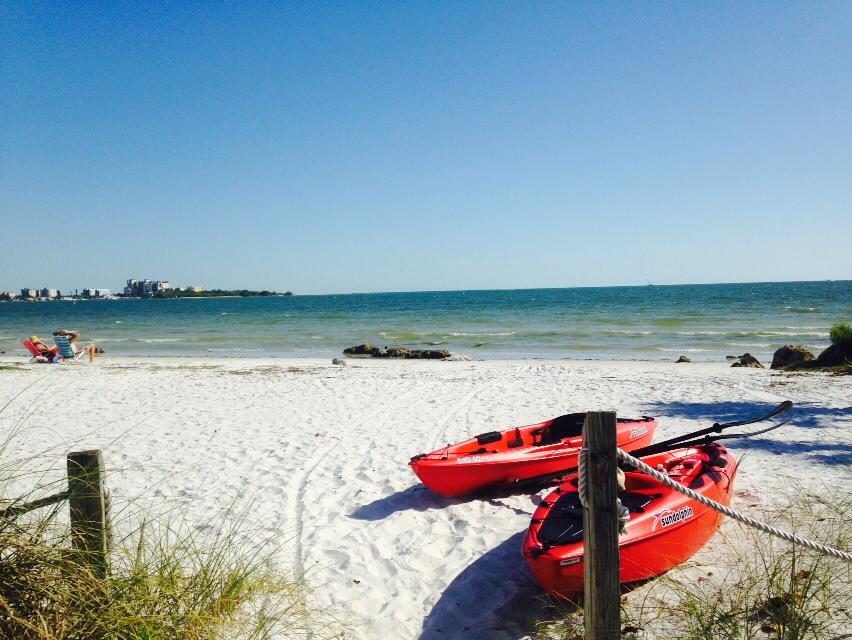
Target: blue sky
[(335, 147)]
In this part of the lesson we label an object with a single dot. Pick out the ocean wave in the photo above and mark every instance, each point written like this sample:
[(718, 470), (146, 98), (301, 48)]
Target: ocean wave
[(622, 332), (762, 345), (669, 322), (462, 334), (158, 340), (755, 334)]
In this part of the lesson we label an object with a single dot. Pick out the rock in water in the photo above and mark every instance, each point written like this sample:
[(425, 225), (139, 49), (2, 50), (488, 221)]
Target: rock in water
[(748, 360), (363, 350), (397, 352), (682, 359), (835, 355), (429, 354), (790, 355), (338, 362)]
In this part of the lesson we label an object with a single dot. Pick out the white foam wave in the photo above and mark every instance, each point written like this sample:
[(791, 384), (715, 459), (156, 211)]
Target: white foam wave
[(460, 334)]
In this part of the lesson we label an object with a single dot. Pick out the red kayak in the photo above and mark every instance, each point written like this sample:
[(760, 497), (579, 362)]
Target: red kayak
[(664, 530), (501, 458)]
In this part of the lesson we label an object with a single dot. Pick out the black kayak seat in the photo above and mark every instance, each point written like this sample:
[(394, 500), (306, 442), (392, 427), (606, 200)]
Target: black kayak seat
[(563, 524), (568, 426)]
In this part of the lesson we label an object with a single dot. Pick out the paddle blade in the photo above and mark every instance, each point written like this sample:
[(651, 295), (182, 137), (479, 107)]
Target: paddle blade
[(781, 408)]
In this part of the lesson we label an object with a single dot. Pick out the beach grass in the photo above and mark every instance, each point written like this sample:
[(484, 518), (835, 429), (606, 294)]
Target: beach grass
[(161, 585), (841, 334)]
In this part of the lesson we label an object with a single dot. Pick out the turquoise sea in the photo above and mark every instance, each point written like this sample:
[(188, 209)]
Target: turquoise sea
[(703, 322)]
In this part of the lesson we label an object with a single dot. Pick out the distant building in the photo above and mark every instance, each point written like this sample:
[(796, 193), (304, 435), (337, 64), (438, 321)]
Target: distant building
[(8, 295), (92, 292), (29, 293), (130, 289), (145, 288), (49, 293), (195, 288)]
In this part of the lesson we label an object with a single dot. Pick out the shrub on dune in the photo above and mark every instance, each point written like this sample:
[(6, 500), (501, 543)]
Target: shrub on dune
[(841, 335)]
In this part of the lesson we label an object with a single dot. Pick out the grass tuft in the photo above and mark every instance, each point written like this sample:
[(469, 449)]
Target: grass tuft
[(841, 335)]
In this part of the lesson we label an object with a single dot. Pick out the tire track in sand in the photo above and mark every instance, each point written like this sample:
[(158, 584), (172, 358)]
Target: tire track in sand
[(441, 430), (298, 486)]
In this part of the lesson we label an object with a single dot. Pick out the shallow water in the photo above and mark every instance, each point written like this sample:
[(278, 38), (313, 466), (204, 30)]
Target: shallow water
[(648, 323)]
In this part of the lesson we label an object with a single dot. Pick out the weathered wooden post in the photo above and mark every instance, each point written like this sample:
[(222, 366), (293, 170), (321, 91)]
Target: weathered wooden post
[(600, 529), (88, 504)]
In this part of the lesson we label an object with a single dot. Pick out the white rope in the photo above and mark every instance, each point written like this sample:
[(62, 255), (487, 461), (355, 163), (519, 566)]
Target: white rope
[(581, 477), (735, 515)]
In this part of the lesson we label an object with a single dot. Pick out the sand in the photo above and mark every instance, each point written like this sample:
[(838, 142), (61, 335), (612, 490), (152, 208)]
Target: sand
[(315, 457)]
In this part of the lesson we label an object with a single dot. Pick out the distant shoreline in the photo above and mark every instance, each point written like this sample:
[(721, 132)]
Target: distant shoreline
[(106, 299)]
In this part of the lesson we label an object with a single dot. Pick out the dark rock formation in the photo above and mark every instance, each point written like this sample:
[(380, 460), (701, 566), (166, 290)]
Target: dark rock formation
[(429, 354), (748, 360), (397, 352), (790, 355), (363, 350), (338, 361), (835, 355), (682, 359)]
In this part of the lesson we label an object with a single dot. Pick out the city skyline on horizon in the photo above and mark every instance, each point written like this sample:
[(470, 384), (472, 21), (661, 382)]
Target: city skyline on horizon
[(115, 292)]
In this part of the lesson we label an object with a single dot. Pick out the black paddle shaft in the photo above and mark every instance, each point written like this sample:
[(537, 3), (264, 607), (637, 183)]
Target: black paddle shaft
[(665, 445)]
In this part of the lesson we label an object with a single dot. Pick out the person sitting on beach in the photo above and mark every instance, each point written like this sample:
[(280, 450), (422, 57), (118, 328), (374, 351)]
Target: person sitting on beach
[(48, 353), (91, 348)]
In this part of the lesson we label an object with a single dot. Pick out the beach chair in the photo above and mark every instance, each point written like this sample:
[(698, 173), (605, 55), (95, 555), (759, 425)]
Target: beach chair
[(66, 351), (37, 356), (29, 346)]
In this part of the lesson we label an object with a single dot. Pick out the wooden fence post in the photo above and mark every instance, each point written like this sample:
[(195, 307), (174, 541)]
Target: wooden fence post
[(600, 529), (88, 505)]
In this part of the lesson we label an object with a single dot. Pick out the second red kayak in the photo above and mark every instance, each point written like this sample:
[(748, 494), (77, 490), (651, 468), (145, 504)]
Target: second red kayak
[(500, 458), (664, 530)]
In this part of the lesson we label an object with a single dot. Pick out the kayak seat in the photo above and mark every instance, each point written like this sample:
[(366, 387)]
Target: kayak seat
[(564, 522), (636, 502), (568, 426)]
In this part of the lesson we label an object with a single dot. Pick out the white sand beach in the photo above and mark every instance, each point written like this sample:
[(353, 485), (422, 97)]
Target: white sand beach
[(316, 456)]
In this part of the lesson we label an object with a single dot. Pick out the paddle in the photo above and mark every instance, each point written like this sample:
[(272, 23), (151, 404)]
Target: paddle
[(666, 445)]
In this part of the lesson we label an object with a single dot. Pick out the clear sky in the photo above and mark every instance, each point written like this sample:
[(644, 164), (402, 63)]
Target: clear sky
[(336, 147)]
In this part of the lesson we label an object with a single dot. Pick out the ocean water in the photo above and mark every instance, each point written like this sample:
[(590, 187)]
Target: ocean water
[(703, 322)]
